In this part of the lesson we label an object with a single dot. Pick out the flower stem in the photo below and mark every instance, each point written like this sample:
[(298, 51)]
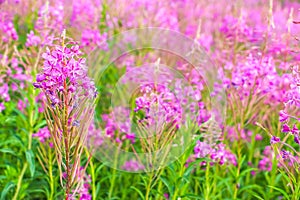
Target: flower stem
[(65, 134), (51, 176), (149, 186), (20, 181), (207, 182), (93, 180)]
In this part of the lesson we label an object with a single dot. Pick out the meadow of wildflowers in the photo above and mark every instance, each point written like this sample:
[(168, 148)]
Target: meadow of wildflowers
[(149, 99)]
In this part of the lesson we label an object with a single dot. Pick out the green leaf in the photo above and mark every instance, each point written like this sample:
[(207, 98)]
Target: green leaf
[(244, 172), (281, 191), (167, 184), (249, 187), (30, 160), (8, 151), (40, 125), (6, 189), (191, 196), (258, 197), (138, 191)]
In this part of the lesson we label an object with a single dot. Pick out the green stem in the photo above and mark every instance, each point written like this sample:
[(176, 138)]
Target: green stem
[(51, 176), (176, 188), (207, 182), (149, 186), (93, 180), (236, 180), (20, 181), (159, 187)]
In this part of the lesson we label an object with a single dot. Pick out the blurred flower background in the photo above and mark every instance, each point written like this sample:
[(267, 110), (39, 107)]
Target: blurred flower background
[(47, 97)]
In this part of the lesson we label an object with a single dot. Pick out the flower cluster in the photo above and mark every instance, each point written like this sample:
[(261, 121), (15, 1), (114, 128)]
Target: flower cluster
[(286, 158), (218, 153), (289, 115), (64, 71), (12, 81), (93, 39), (245, 135), (118, 125), (32, 39), (7, 28), (133, 166), (159, 104), (265, 164)]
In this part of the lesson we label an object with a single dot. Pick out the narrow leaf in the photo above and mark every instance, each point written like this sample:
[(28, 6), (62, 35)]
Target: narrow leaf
[(30, 160)]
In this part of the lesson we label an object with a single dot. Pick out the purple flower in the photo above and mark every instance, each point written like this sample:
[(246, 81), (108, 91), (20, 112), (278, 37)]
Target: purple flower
[(40, 77), (166, 195), (93, 37), (258, 137), (221, 155), (285, 154), (4, 92), (283, 116), (274, 140), (133, 165), (202, 149), (32, 40), (9, 31), (131, 137), (63, 67), (22, 105), (43, 134), (265, 164), (76, 123), (83, 190), (285, 128), (94, 137), (296, 139), (295, 130)]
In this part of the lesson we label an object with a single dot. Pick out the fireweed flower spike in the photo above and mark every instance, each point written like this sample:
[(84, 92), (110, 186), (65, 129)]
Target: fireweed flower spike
[(69, 107)]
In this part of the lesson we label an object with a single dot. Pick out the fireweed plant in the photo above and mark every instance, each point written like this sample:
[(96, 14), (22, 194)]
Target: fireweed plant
[(69, 109), (47, 101)]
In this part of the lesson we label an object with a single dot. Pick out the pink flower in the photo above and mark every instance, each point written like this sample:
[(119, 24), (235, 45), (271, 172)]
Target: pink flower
[(202, 149), (283, 116), (295, 130), (297, 139), (274, 140), (258, 137), (94, 39), (32, 40), (285, 128), (22, 105), (62, 64), (221, 155), (166, 195), (265, 164), (2, 107), (131, 137), (43, 134), (9, 31), (4, 92), (133, 165)]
